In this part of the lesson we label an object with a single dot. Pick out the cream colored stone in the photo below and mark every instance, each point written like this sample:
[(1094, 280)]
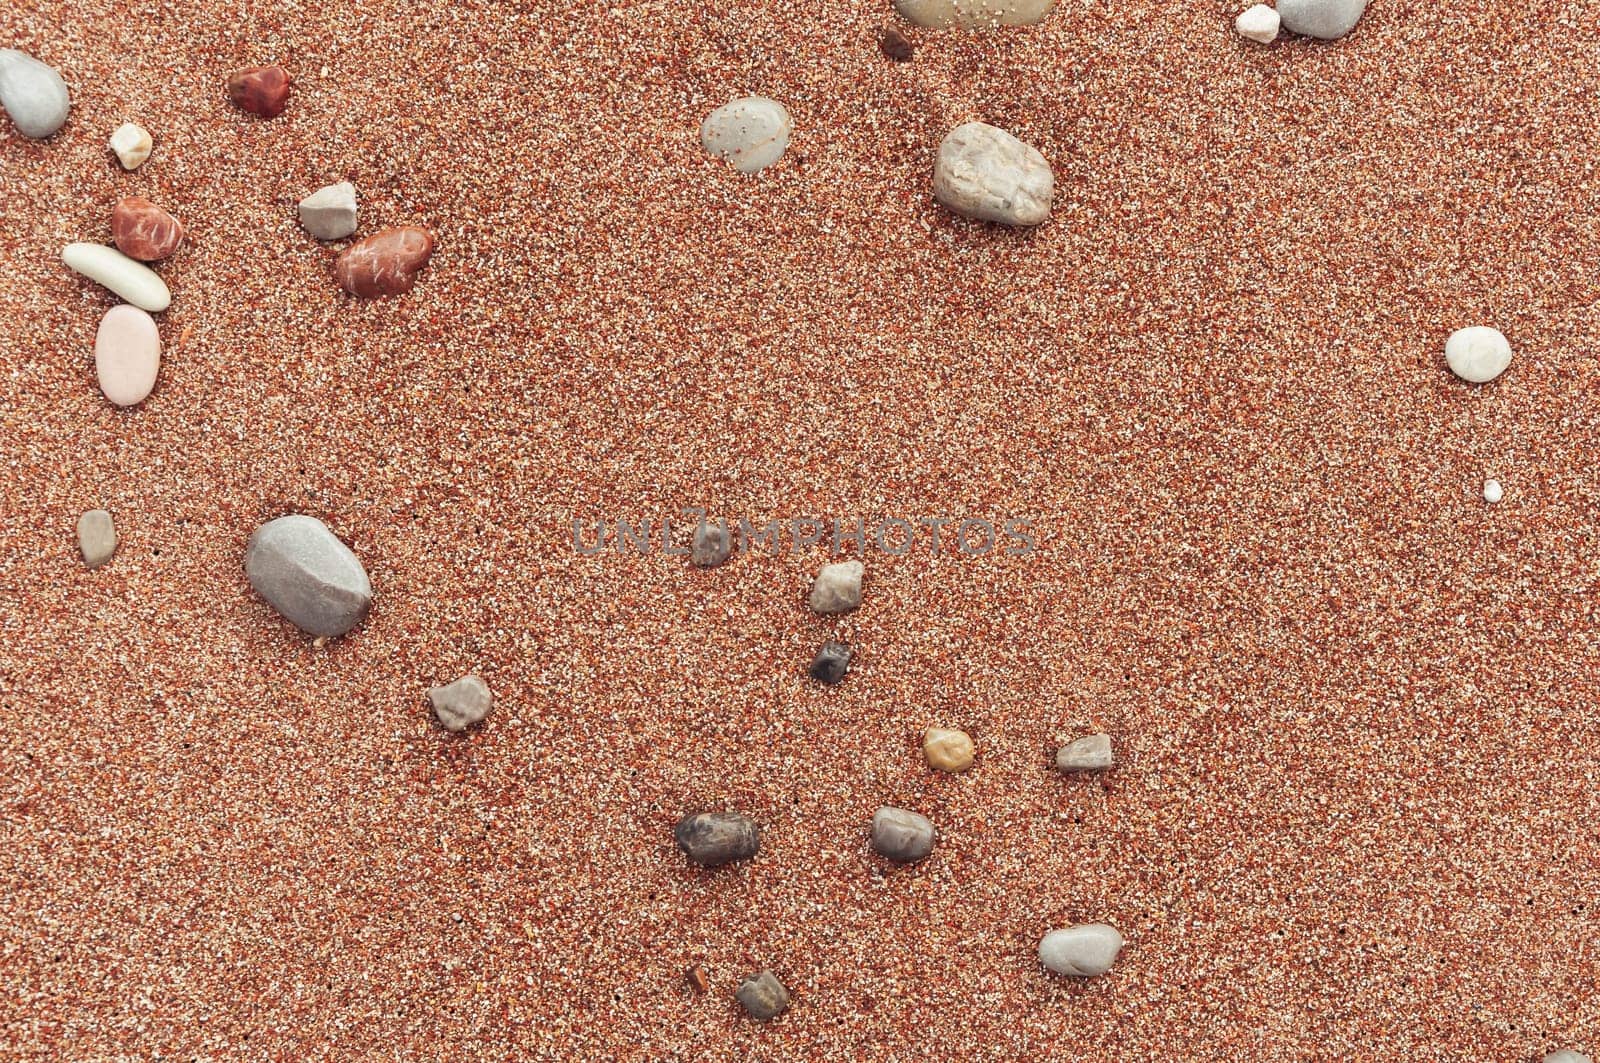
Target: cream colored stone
[(947, 749), (986, 173), (1477, 354), (1086, 754), (974, 14), (132, 145), (1258, 23), (134, 281), (127, 354)]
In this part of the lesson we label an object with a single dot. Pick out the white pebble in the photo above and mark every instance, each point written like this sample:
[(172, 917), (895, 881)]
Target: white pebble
[(330, 213), (33, 94), (1477, 354), (132, 145), (751, 133), (1082, 951), (1259, 24), (134, 281), (1492, 491)]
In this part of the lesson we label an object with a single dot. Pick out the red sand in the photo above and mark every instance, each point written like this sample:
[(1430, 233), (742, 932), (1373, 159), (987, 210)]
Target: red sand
[(1356, 814)]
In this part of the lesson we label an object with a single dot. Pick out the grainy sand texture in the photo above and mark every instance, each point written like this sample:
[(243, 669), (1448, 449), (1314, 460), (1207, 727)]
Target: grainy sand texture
[(1356, 709)]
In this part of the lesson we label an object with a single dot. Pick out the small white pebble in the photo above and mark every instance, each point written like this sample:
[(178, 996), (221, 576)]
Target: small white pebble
[(1492, 492), (132, 145), (1259, 24)]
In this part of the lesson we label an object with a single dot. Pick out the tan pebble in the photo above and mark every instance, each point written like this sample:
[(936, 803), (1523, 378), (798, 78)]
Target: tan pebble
[(132, 145), (947, 750)]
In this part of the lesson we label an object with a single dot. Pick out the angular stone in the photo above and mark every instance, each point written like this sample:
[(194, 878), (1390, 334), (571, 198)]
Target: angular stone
[(1324, 19), (974, 14), (697, 979), (986, 173), (1477, 354), (127, 354), (330, 213), (751, 133), (309, 576), (1258, 23), (143, 230), (384, 263), (712, 545), (762, 995), (135, 282), (895, 46), (1081, 951), (717, 838), (900, 835), (33, 94), (461, 704), (838, 587), (260, 90), (1086, 754), (947, 750), (830, 664), (97, 537), (132, 145)]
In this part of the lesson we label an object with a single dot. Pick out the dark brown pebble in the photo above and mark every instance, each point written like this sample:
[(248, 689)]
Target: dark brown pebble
[(895, 45), (261, 90)]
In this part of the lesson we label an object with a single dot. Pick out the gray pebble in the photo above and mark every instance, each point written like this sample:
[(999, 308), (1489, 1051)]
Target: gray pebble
[(751, 133), (330, 212), (762, 995), (1323, 19), (1086, 754), (831, 663), (33, 94), (986, 173), (712, 544), (717, 838), (462, 703), (308, 575), (1565, 1055), (838, 587), (900, 835), (97, 538), (1081, 951)]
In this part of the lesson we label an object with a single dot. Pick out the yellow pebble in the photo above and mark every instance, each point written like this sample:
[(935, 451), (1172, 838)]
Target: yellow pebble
[(947, 750)]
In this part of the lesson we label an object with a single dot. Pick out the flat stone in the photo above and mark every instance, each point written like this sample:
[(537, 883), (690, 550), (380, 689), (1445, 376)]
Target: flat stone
[(717, 838), (131, 144), (1086, 754), (1324, 19), (762, 995), (1477, 354), (330, 213), (127, 355), (838, 587), (946, 749), (384, 263), (900, 835), (97, 537), (1081, 951), (830, 663), (986, 173), (751, 133), (712, 545), (309, 576), (974, 14), (133, 281), (1258, 23), (33, 94), (144, 231), (461, 704), (1565, 1055), (260, 90)]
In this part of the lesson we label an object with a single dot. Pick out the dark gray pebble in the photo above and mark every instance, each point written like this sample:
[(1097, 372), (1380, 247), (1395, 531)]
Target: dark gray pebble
[(831, 663), (762, 995), (716, 838)]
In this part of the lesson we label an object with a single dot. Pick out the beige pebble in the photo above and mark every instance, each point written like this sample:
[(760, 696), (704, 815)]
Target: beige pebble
[(1086, 754), (132, 145), (97, 537), (127, 355), (947, 749), (974, 14)]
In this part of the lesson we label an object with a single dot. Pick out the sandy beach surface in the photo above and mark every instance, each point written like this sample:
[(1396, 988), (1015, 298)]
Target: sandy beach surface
[(1356, 810)]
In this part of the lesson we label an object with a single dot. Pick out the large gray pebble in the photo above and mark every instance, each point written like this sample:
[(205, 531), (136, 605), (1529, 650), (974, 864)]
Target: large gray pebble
[(986, 173), (304, 572), (1081, 951), (461, 704), (1323, 19), (900, 835), (717, 838), (32, 93)]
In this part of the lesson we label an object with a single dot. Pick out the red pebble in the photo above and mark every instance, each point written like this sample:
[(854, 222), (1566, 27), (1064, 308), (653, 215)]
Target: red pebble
[(144, 231), (385, 263), (262, 90)]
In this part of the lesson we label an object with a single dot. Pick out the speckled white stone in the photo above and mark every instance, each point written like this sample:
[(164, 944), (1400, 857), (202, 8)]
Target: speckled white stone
[(1323, 19), (1477, 354), (33, 94), (751, 133), (1081, 951), (1258, 23), (134, 281)]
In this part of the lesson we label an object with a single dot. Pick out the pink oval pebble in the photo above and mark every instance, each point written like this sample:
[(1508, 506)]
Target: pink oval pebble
[(127, 354)]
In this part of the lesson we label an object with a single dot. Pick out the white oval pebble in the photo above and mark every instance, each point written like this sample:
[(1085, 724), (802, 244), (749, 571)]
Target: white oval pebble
[(1081, 951), (973, 14), (132, 280), (1477, 354), (132, 145), (1492, 491), (1565, 1055), (127, 355), (97, 537), (983, 172), (33, 94), (1323, 19), (1259, 24), (751, 133)]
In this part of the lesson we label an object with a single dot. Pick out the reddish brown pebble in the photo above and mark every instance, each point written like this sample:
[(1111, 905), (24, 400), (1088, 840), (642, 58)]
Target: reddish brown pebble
[(261, 90), (144, 231), (895, 45), (697, 979), (385, 263)]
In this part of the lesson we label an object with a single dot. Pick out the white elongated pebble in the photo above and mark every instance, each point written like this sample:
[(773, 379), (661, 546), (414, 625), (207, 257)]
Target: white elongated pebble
[(750, 133), (1086, 754), (127, 355), (330, 213), (986, 173), (973, 14), (1258, 23), (134, 281), (1081, 951), (1323, 19), (132, 145), (1477, 354), (97, 537), (33, 94)]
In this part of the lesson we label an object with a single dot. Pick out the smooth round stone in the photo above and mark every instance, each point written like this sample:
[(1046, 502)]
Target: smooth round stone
[(260, 90), (33, 94), (1565, 1055), (974, 14), (1086, 754), (385, 263), (1492, 491), (762, 995), (717, 838), (1258, 23), (902, 836), (830, 663), (330, 213), (712, 545), (309, 576), (1323, 19), (751, 133), (143, 231), (946, 749), (986, 173), (461, 704), (1081, 951), (97, 537), (134, 281), (838, 587), (131, 144), (127, 355), (1477, 354)]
